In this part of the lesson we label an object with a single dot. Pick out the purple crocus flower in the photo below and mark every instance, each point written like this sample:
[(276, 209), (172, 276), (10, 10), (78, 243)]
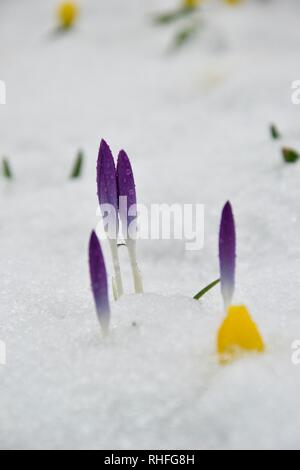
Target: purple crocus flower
[(227, 252), (108, 200), (127, 193), (99, 281), (128, 214), (107, 189)]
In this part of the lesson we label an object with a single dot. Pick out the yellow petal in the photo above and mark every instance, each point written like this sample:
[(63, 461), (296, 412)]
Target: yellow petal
[(238, 332), (67, 14)]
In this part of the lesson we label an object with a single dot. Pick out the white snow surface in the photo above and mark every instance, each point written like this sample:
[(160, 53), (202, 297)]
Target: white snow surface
[(195, 125)]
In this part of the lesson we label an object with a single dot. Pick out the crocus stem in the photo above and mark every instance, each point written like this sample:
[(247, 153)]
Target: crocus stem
[(115, 290), (116, 262), (137, 278)]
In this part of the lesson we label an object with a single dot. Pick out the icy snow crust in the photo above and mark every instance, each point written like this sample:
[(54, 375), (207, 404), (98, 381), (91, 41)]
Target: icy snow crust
[(195, 125)]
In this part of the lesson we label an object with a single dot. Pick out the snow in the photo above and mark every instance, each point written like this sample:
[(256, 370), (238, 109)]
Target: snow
[(195, 125)]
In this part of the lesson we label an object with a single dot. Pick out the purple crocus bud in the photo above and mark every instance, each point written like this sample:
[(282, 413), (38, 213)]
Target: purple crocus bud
[(227, 252), (128, 214), (107, 189), (99, 282), (127, 195)]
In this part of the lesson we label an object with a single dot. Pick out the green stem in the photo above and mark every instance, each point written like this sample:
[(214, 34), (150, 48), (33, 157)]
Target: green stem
[(175, 15), (6, 169), (275, 134), (206, 289), (78, 165)]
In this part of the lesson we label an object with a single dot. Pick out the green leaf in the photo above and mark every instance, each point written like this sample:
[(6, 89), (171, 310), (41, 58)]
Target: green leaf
[(290, 155), (185, 35), (6, 169), (78, 166), (206, 289), (167, 18), (275, 134)]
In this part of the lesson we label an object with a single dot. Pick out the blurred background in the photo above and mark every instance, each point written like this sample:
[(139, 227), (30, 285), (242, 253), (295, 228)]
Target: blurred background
[(116, 74)]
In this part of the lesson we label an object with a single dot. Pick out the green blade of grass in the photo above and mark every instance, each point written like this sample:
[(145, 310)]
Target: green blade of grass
[(78, 166), (6, 169), (167, 18), (275, 134), (206, 289), (185, 35)]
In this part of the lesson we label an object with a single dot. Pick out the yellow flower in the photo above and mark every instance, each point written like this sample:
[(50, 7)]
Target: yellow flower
[(237, 333), (233, 2), (67, 14), (191, 3)]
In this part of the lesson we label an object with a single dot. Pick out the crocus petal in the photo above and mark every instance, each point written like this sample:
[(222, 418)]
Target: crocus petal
[(127, 191), (238, 333), (99, 281), (107, 184), (227, 253)]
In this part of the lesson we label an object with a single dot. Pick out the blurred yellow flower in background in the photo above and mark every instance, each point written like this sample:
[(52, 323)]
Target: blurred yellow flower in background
[(196, 3), (67, 14), (191, 3), (233, 2)]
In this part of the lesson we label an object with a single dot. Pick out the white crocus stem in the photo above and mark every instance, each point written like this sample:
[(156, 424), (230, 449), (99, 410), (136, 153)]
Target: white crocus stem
[(137, 278), (116, 262), (114, 288)]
